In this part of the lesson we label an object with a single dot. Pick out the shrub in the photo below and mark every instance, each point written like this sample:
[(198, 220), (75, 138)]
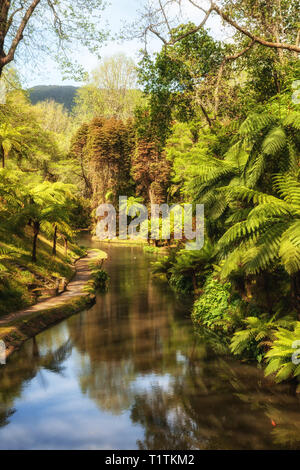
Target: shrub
[(100, 279), (254, 341), (181, 283), (284, 354), (212, 309)]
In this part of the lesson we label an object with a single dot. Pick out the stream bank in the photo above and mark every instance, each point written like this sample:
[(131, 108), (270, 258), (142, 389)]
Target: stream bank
[(15, 328)]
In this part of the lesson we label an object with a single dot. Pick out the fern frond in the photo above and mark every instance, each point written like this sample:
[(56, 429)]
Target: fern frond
[(274, 141)]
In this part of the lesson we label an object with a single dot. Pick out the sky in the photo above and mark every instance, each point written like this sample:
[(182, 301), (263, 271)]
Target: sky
[(115, 15)]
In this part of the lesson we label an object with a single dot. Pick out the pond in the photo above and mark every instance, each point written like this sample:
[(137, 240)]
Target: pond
[(131, 373)]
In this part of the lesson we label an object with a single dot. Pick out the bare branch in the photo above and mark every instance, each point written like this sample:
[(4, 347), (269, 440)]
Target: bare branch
[(57, 20), (10, 20), (197, 6), (152, 30), (19, 35), (278, 45), (215, 8), (195, 30), (165, 16)]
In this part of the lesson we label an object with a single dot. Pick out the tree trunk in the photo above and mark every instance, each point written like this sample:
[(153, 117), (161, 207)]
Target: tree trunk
[(88, 185), (36, 231), (54, 241), (2, 154)]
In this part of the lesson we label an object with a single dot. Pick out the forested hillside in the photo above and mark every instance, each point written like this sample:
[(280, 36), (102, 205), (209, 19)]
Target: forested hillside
[(60, 94)]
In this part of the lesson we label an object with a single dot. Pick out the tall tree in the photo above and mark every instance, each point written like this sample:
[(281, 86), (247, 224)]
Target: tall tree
[(272, 24), (109, 150), (49, 26), (151, 172), (111, 90)]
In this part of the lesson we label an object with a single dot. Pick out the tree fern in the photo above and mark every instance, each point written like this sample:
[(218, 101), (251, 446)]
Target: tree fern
[(283, 357), (272, 227)]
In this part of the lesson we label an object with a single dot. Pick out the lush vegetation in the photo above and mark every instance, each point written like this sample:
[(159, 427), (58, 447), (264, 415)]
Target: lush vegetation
[(217, 124), (40, 209), (226, 118)]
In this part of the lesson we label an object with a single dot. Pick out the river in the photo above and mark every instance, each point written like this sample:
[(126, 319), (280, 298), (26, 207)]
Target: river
[(131, 373)]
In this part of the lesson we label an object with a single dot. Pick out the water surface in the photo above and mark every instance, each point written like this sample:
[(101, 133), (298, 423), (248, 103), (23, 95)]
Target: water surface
[(131, 373)]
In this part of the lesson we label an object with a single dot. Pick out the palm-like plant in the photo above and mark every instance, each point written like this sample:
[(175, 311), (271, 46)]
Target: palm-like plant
[(283, 356), (186, 263), (259, 331), (3, 254), (46, 204), (11, 140), (191, 263), (270, 233), (265, 144), (57, 222)]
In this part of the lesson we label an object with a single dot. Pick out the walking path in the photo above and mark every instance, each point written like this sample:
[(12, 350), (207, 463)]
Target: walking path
[(75, 289), (17, 327)]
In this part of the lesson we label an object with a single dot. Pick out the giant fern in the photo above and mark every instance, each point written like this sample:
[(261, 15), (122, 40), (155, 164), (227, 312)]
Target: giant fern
[(271, 228), (284, 355)]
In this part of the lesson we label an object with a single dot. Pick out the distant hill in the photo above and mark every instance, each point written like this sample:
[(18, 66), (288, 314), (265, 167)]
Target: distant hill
[(61, 94)]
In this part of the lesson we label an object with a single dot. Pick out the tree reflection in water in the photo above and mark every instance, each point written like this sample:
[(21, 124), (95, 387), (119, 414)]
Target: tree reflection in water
[(22, 369), (135, 352)]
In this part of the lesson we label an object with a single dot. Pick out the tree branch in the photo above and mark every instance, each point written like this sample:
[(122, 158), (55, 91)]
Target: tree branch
[(152, 30), (19, 35), (3, 19), (277, 45), (221, 71), (10, 20), (165, 16)]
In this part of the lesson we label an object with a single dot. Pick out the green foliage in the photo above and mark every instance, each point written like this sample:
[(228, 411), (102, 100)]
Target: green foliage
[(271, 230), (150, 249), (169, 78), (253, 341), (100, 279), (212, 309), (184, 269), (164, 264), (181, 283), (283, 357), (110, 92), (37, 210)]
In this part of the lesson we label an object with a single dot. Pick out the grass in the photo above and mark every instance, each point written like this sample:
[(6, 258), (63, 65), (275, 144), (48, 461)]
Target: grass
[(128, 242), (22, 278)]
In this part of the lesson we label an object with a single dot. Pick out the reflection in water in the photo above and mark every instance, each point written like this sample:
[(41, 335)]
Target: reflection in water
[(131, 373)]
